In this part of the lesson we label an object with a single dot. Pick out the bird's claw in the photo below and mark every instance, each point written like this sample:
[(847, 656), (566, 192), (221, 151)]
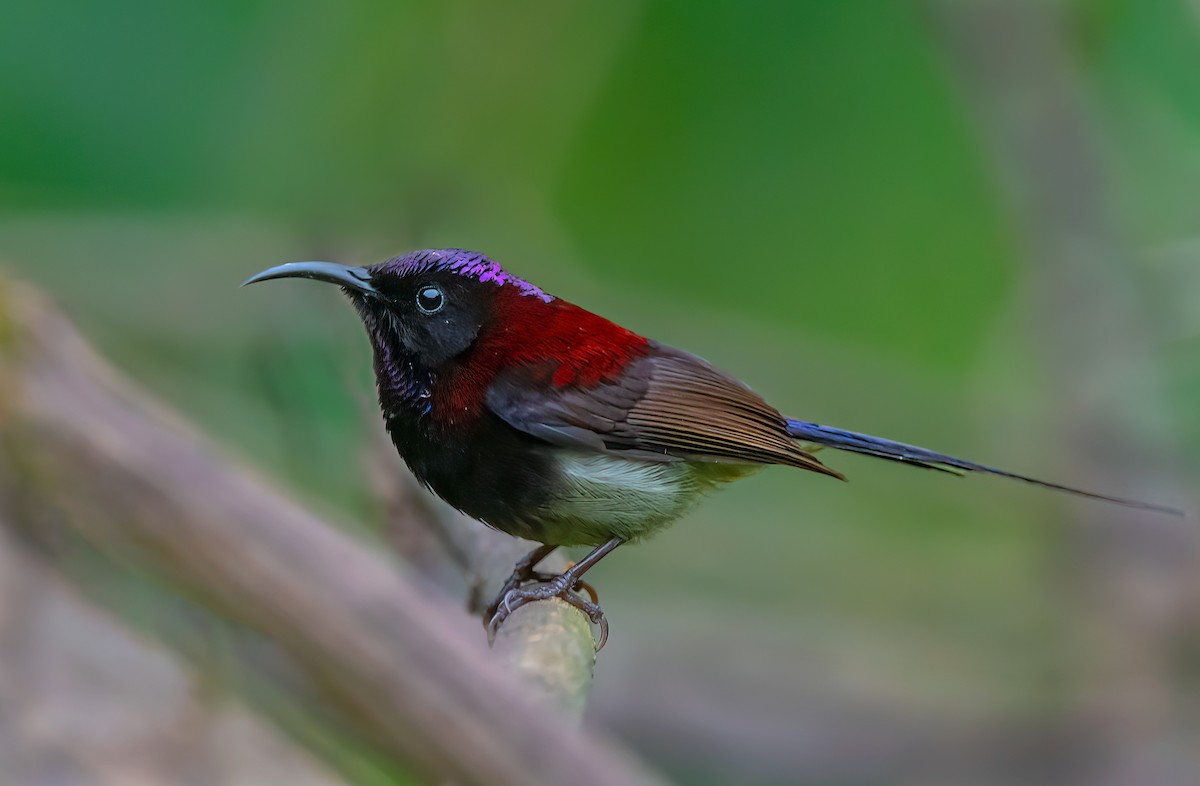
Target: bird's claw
[(522, 574), (513, 598)]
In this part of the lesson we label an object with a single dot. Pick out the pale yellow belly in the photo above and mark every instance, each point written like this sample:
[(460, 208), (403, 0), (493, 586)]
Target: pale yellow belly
[(605, 496)]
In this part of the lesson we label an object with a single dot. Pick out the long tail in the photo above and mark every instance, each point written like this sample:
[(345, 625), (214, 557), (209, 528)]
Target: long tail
[(928, 459)]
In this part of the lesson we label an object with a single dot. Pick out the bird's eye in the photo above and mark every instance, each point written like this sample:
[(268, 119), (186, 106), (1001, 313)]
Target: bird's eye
[(430, 300)]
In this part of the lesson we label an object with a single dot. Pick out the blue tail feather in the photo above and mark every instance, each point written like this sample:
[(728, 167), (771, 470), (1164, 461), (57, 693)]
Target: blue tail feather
[(928, 459)]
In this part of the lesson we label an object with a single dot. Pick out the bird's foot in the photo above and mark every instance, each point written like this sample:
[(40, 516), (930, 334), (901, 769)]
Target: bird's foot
[(564, 585), (523, 573)]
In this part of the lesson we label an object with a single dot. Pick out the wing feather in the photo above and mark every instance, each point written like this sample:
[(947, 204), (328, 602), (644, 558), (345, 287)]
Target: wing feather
[(667, 405)]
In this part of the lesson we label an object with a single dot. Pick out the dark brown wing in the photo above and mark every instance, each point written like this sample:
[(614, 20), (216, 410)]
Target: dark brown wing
[(667, 405)]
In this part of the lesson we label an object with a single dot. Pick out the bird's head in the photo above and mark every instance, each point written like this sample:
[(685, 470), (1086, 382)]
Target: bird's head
[(427, 305)]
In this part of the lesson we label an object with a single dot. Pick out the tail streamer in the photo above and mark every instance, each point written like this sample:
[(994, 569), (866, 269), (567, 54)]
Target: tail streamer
[(928, 459)]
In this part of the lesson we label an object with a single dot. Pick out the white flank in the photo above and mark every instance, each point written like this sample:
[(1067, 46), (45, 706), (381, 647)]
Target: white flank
[(608, 490)]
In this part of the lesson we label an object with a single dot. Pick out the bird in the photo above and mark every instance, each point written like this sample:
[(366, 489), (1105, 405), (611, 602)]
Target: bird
[(551, 423)]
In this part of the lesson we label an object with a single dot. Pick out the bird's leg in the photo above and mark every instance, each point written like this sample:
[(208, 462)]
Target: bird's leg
[(523, 572), (561, 586)]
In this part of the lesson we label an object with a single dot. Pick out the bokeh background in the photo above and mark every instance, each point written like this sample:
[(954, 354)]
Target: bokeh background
[(970, 225)]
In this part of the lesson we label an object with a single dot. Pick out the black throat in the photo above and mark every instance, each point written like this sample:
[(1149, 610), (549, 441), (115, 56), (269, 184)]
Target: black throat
[(482, 467)]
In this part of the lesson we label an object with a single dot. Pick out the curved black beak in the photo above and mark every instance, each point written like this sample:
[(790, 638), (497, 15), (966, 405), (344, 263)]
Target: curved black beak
[(355, 278)]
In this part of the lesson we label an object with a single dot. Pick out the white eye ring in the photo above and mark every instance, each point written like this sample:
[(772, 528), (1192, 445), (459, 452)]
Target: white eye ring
[(430, 299)]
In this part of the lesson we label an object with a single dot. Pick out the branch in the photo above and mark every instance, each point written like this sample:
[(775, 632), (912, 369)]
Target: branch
[(549, 644), (83, 449)]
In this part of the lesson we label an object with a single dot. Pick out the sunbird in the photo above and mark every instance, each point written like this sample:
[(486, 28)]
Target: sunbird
[(551, 423)]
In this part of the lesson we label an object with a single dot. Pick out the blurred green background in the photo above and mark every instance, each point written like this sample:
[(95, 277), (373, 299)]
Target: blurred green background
[(813, 195)]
